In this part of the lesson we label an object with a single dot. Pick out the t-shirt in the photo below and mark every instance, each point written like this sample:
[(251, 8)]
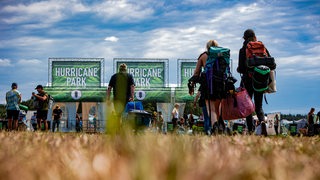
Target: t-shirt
[(13, 99), (276, 121), (310, 118), (43, 105), (121, 84), (175, 113), (57, 113)]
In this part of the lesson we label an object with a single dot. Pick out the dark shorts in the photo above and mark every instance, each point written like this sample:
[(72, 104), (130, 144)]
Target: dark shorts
[(13, 114), (42, 114)]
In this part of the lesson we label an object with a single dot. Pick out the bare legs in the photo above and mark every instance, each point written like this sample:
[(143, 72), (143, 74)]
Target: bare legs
[(213, 110)]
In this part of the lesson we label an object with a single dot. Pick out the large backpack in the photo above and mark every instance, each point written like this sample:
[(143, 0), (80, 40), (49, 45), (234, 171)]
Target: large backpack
[(257, 55), (217, 70), (261, 78), (260, 64)]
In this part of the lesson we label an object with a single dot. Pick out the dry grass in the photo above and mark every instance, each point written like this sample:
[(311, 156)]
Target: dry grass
[(27, 155)]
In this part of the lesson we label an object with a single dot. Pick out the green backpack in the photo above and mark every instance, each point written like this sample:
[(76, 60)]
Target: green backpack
[(217, 70), (261, 78)]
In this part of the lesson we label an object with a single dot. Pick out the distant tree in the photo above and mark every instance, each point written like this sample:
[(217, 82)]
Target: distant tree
[(150, 106), (293, 117)]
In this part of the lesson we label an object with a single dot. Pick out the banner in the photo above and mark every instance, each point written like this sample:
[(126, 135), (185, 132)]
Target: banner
[(271, 120), (99, 94), (182, 95), (185, 71), (147, 73), (77, 73)]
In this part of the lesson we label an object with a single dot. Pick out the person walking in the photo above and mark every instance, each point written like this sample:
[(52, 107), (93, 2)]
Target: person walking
[(200, 98), (78, 123), (318, 117), (246, 80), (57, 114), (123, 86), (212, 104), (43, 106), (13, 99), (175, 115), (160, 122), (311, 122), (34, 121), (276, 124)]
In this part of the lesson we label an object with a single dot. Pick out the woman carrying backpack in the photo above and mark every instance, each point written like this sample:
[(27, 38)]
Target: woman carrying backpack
[(211, 109), (247, 82)]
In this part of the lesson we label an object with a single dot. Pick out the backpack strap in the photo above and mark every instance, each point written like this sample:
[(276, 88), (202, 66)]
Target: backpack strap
[(202, 54)]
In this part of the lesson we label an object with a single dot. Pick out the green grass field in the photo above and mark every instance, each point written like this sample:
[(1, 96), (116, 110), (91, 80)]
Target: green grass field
[(38, 155)]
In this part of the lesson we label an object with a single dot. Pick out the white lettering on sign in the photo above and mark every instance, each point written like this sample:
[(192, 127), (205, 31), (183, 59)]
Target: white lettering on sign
[(77, 72), (188, 72), (145, 72), (142, 82), (76, 76), (144, 76), (76, 81)]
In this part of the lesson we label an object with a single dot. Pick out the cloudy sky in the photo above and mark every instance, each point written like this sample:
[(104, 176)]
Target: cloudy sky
[(32, 31)]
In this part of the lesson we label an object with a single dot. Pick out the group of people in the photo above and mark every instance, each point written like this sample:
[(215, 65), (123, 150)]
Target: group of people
[(123, 86), (211, 106), (41, 103), (312, 119)]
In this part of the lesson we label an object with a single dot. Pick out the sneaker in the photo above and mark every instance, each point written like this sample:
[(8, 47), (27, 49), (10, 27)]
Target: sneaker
[(208, 133), (264, 129)]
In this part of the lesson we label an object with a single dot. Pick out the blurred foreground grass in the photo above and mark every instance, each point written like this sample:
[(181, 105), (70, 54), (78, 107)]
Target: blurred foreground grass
[(28, 155)]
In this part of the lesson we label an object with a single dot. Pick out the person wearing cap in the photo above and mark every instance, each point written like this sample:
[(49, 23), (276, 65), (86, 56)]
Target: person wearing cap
[(42, 109), (13, 99), (123, 86), (57, 114), (246, 80)]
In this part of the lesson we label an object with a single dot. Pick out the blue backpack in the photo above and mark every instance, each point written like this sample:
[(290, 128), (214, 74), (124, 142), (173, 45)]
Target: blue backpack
[(217, 71)]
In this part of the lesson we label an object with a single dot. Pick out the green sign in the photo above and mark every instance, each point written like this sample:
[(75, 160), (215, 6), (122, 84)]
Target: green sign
[(77, 95), (77, 73), (182, 95), (99, 94), (147, 73), (185, 68)]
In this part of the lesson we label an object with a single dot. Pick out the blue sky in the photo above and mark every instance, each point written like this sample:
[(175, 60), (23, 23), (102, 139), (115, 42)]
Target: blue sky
[(32, 31)]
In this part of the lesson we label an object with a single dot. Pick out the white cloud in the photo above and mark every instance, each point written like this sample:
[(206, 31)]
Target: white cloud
[(43, 14), (252, 8), (5, 62), (30, 62), (175, 32), (111, 38), (122, 11), (45, 11)]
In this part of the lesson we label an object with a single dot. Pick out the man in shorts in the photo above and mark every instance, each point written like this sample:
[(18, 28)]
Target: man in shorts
[(122, 85), (57, 114), (13, 98), (42, 109)]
